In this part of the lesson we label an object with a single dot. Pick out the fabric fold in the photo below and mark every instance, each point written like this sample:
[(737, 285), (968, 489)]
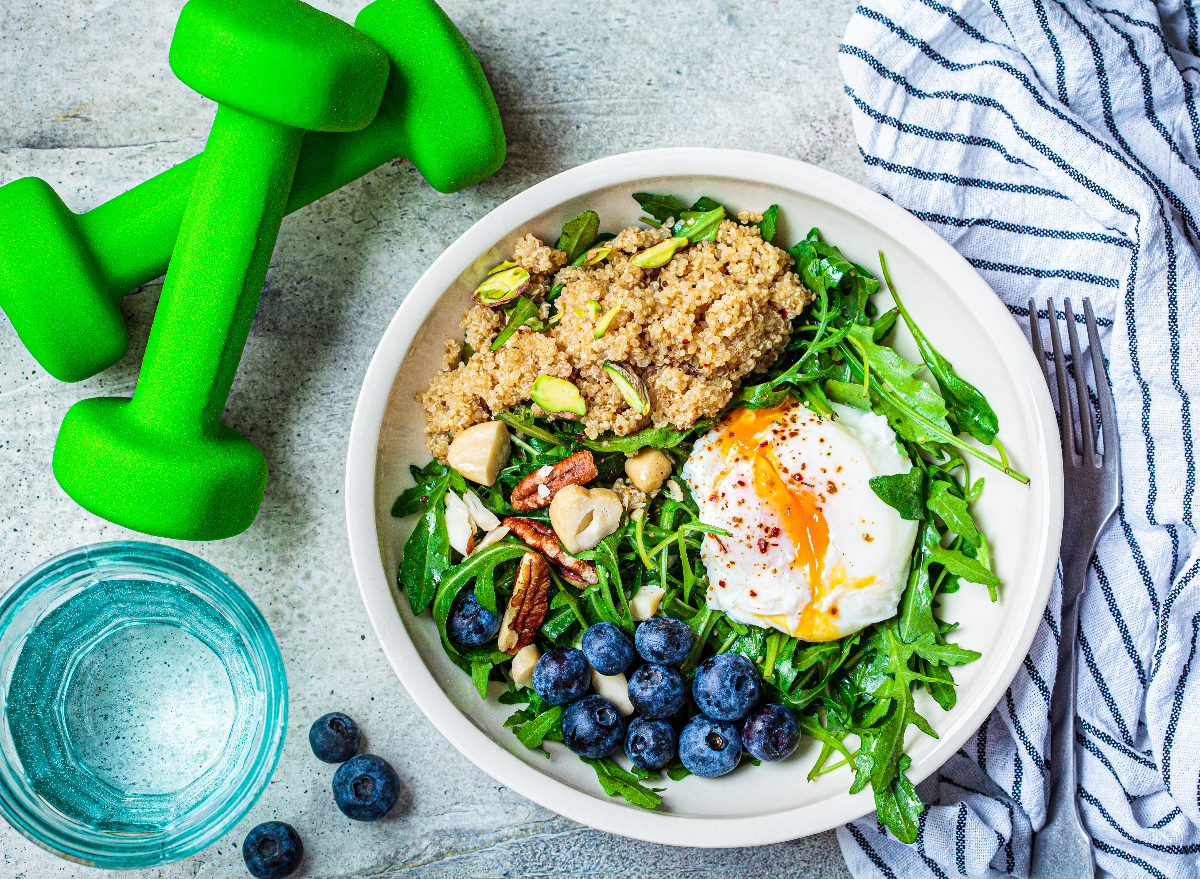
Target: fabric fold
[(1055, 145)]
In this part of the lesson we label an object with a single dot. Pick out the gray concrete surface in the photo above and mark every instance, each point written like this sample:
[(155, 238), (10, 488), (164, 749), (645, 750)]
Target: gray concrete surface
[(88, 102)]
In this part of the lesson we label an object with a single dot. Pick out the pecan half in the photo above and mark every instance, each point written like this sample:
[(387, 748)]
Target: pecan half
[(538, 488), (540, 536), (527, 606)]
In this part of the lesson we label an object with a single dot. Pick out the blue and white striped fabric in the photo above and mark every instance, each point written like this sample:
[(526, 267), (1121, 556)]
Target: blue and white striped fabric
[(1055, 144)]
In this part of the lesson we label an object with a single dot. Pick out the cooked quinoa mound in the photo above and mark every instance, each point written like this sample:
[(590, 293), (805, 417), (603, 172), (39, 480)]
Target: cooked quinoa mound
[(718, 311)]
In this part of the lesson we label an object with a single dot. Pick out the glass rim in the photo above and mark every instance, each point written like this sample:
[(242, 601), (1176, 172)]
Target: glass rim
[(221, 810)]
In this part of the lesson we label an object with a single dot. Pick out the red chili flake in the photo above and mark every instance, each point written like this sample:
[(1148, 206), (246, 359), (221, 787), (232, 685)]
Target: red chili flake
[(753, 594), (762, 545), (832, 488), (722, 583), (796, 477), (868, 538), (712, 498), (833, 611), (741, 482), (775, 531)]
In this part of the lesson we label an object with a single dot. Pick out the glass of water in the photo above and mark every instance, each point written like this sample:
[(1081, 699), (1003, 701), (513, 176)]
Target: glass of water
[(144, 701)]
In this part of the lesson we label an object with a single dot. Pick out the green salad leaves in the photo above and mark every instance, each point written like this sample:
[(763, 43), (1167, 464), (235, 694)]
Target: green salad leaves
[(856, 695)]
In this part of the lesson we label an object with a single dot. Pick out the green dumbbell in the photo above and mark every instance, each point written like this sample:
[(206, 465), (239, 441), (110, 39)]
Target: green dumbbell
[(62, 275), (162, 462)]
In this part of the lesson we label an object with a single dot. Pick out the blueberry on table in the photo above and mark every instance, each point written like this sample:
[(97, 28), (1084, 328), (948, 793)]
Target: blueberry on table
[(607, 649), (663, 639), (334, 737), (726, 686), (272, 850), (469, 624), (770, 732), (561, 675), (709, 747), (592, 727), (656, 690), (366, 787), (651, 743)]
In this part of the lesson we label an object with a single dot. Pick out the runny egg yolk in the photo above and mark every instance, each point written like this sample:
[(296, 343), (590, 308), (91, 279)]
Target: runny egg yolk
[(793, 501), (810, 548)]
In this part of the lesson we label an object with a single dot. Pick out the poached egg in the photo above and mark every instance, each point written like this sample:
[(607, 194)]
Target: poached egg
[(812, 550)]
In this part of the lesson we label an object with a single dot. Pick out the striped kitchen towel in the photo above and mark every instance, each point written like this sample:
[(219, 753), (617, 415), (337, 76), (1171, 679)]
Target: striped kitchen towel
[(1055, 144)]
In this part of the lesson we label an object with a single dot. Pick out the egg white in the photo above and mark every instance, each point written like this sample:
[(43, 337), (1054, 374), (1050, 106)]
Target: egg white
[(756, 575)]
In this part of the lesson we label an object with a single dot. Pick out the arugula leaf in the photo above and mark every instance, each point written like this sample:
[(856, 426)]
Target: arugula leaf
[(411, 500), (967, 406), (904, 492), (522, 420), (963, 566), (661, 207), (899, 807), (578, 234), (617, 782), (448, 587), (678, 773), (651, 437), (533, 732), (479, 677), (426, 554), (899, 375), (522, 310), (704, 204), (700, 227), (916, 605), (767, 224), (883, 325), (943, 653), (953, 510), (848, 394)]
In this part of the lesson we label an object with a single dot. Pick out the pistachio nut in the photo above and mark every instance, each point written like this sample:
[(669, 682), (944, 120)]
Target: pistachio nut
[(501, 287), (605, 322), (557, 395), (660, 254), (598, 254), (630, 384)]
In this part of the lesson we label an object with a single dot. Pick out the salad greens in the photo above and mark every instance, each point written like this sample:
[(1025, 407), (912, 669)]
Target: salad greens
[(853, 695)]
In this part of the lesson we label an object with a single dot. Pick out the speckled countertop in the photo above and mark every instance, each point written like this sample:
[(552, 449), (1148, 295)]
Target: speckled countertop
[(88, 102)]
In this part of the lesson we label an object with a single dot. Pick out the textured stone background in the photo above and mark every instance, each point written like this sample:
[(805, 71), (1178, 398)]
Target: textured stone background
[(88, 102)]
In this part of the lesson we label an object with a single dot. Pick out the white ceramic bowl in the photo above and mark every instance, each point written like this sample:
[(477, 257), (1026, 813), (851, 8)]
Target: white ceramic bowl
[(952, 304)]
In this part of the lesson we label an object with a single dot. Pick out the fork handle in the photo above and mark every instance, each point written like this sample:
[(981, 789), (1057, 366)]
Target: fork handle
[(1063, 848)]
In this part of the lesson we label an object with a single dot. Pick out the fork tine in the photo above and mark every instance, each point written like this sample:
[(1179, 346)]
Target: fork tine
[(1108, 406), (1087, 428), (1035, 335), (1066, 421)]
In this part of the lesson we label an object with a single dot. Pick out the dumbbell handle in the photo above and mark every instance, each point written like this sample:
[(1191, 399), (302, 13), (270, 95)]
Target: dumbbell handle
[(132, 236), (216, 273)]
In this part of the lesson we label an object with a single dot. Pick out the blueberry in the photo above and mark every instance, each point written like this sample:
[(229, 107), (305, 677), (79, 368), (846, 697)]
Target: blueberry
[(607, 649), (656, 690), (469, 625), (334, 737), (770, 732), (651, 743), (366, 787), (708, 747), (272, 850), (663, 639), (592, 727), (561, 675), (726, 686)]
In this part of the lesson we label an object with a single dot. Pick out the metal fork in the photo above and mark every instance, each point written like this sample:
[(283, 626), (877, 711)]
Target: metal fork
[(1063, 849)]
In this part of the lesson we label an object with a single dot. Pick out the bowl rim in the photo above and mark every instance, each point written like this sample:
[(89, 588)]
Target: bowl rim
[(375, 588)]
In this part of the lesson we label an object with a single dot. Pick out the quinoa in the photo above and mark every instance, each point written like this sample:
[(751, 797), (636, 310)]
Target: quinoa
[(717, 312)]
